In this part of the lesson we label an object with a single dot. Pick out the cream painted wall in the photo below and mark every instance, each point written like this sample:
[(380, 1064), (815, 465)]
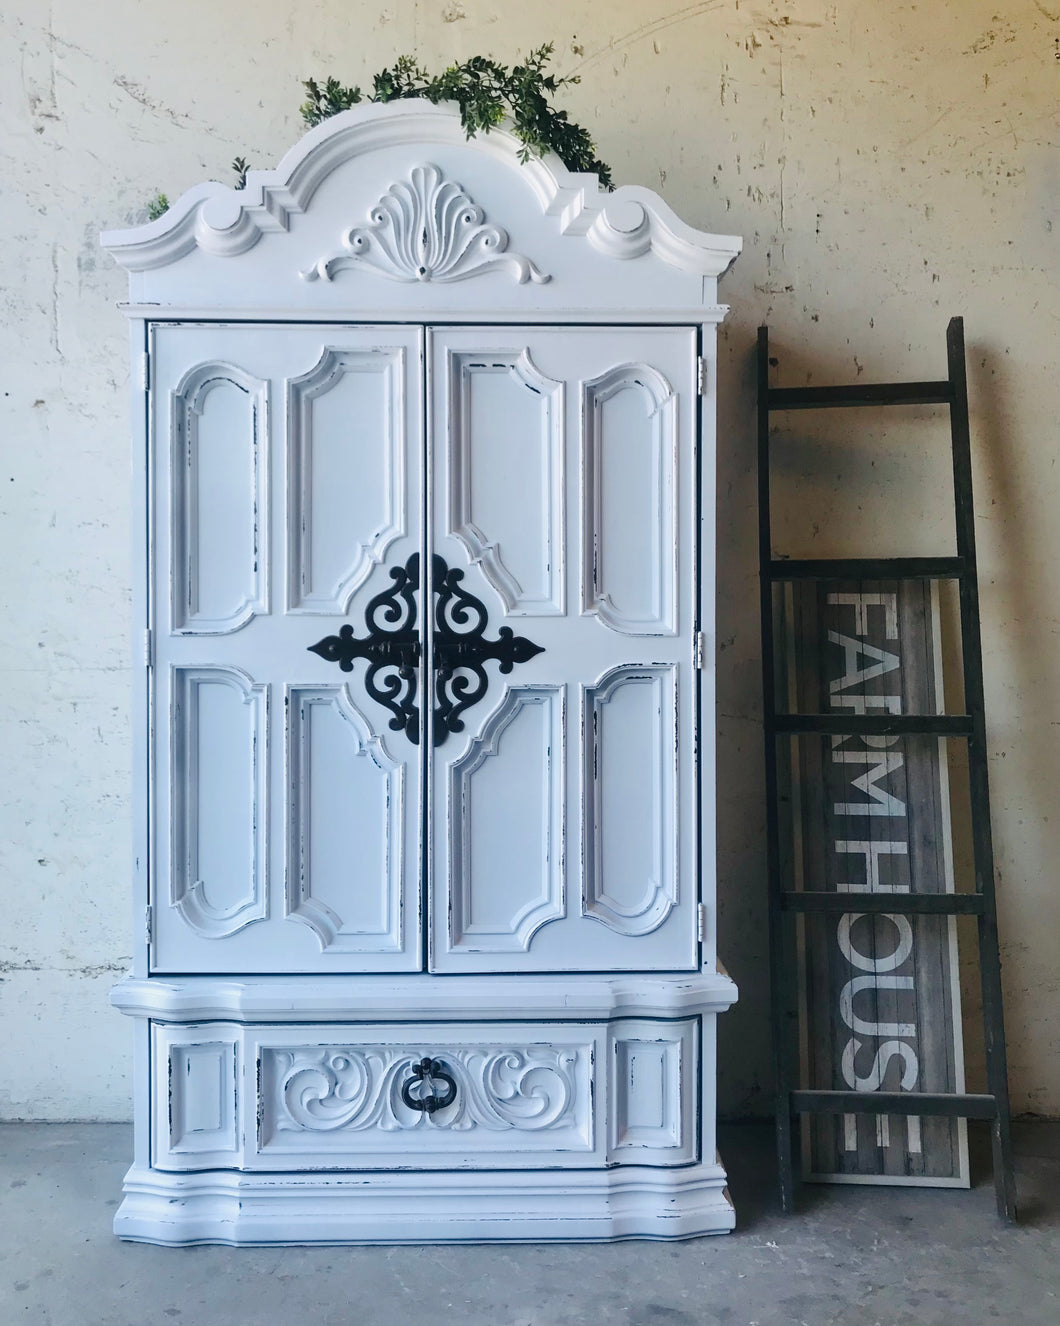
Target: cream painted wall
[(889, 165)]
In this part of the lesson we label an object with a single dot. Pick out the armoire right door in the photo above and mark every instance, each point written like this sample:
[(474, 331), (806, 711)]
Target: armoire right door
[(562, 796)]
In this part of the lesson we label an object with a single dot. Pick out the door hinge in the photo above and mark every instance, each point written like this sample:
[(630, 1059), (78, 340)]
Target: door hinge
[(145, 371), (701, 375), (149, 925), (702, 922), (701, 649), (149, 648)]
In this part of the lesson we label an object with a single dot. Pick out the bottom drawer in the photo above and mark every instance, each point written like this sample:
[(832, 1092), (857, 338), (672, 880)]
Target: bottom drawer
[(447, 1096)]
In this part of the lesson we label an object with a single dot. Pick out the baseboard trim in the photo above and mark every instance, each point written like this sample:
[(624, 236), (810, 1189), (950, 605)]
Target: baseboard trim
[(240, 1209)]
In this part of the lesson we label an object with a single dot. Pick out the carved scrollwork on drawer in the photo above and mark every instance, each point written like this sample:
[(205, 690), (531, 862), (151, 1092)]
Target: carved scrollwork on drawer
[(355, 1088)]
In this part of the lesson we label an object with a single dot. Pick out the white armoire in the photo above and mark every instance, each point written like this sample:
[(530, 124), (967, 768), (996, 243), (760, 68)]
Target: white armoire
[(424, 715)]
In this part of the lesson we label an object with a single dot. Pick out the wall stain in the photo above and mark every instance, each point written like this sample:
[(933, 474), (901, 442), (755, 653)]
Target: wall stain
[(139, 95), (649, 29)]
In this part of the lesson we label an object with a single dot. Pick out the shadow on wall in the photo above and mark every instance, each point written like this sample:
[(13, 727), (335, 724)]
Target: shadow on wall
[(744, 1054)]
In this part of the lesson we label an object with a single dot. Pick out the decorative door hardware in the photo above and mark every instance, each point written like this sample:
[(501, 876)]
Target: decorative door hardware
[(460, 648), (427, 1072), (392, 647), (458, 658)]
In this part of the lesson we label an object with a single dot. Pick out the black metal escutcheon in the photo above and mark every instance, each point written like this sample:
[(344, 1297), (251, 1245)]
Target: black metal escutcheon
[(459, 655), (427, 1072), (461, 649), (392, 647)]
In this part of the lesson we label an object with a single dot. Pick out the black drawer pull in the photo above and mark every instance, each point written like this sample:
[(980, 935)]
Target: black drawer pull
[(429, 1071)]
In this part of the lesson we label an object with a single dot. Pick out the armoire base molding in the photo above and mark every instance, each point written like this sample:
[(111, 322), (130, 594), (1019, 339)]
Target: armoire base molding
[(499, 1207), (420, 997)]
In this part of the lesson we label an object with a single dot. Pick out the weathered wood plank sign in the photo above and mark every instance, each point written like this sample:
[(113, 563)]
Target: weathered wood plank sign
[(879, 995)]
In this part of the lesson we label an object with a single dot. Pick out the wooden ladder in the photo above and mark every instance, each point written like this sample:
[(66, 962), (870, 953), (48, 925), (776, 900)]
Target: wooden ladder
[(786, 903)]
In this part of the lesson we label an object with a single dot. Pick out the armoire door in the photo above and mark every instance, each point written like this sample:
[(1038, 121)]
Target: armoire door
[(285, 486), (563, 797)]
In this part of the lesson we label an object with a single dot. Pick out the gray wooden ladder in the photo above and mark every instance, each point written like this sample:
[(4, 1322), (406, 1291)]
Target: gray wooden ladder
[(784, 902)]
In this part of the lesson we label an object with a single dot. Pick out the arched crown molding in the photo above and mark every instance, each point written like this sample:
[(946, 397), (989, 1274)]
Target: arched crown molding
[(223, 221)]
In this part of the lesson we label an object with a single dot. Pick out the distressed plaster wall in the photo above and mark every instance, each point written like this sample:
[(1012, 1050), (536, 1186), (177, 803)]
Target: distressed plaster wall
[(889, 165)]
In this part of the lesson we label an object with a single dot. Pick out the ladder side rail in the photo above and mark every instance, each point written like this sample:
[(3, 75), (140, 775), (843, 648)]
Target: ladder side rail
[(979, 789), (779, 983)]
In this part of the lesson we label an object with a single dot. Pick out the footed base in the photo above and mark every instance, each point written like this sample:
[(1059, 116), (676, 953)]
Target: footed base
[(416, 1207)]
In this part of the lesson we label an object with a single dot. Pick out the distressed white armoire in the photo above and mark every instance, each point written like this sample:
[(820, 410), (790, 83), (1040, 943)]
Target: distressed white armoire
[(423, 445)]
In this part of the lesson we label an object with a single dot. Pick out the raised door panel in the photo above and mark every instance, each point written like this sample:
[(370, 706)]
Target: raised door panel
[(563, 798), (347, 472), (504, 485), (507, 885), (630, 836), (347, 809), (219, 877), (286, 475), (629, 550), (219, 426)]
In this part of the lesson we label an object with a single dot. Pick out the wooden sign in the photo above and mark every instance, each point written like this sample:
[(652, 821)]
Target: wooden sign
[(879, 995)]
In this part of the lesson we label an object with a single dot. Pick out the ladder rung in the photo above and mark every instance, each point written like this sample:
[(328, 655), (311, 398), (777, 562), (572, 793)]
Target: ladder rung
[(876, 725), (893, 1102), (867, 568), (906, 904), (870, 393)]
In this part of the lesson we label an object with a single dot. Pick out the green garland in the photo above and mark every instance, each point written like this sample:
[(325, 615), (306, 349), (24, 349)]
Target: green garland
[(486, 92)]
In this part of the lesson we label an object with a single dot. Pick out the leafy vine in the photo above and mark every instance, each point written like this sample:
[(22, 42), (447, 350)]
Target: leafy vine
[(486, 92)]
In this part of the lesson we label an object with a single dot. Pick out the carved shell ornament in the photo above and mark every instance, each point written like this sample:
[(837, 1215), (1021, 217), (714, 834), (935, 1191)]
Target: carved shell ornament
[(426, 228)]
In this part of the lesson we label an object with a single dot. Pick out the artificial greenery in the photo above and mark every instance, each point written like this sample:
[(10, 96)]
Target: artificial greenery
[(485, 91)]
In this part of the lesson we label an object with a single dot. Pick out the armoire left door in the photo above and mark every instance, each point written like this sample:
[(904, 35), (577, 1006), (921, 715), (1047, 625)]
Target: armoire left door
[(285, 503)]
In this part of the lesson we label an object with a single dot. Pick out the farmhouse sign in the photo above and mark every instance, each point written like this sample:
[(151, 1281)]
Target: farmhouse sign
[(879, 994)]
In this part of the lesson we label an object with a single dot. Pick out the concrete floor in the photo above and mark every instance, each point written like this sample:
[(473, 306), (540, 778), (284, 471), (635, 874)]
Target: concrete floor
[(851, 1257)]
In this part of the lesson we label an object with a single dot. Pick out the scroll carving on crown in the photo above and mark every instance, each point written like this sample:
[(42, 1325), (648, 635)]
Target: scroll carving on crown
[(426, 228), (529, 1089)]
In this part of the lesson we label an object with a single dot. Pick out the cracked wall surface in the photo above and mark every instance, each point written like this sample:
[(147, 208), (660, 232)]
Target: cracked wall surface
[(888, 166)]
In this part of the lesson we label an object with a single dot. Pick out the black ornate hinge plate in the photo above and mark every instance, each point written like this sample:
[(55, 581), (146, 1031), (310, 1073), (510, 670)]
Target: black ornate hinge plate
[(460, 651), (392, 647)]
